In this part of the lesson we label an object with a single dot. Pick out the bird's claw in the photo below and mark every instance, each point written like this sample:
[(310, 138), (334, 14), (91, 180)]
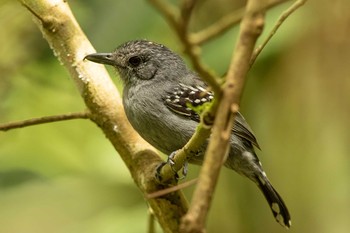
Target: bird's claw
[(171, 163), (158, 169)]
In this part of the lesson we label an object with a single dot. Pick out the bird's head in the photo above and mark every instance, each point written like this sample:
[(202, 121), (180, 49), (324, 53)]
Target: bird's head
[(142, 60)]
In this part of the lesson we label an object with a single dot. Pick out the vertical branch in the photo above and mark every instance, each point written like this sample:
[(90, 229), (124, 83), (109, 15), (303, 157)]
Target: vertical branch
[(187, 7), (169, 12), (251, 28)]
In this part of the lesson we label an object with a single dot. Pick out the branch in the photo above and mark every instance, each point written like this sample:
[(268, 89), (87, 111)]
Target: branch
[(279, 22), (43, 120), (217, 28), (181, 28), (151, 221), (101, 97), (224, 24), (169, 12), (251, 27), (172, 189), (186, 7)]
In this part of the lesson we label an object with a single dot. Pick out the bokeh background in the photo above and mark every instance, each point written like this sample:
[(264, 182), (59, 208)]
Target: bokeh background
[(65, 177)]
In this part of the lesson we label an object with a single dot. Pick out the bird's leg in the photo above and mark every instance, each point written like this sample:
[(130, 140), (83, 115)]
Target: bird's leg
[(170, 160), (171, 163)]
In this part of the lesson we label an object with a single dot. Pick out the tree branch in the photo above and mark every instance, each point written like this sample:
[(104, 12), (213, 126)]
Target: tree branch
[(251, 27), (172, 189), (279, 22), (169, 12), (217, 28), (186, 7), (43, 120), (225, 23), (70, 45), (151, 221), (181, 28)]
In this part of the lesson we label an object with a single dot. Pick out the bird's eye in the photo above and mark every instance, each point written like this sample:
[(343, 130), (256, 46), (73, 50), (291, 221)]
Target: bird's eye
[(135, 61)]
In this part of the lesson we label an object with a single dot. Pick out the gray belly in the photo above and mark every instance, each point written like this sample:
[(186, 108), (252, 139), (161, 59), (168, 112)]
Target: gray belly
[(162, 128)]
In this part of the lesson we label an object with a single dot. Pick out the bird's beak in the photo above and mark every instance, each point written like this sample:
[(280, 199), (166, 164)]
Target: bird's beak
[(103, 58)]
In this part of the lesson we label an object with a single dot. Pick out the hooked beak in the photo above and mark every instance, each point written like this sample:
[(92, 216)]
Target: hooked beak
[(103, 58)]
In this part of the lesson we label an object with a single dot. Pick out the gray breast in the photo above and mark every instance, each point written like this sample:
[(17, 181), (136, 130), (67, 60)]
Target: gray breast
[(154, 122)]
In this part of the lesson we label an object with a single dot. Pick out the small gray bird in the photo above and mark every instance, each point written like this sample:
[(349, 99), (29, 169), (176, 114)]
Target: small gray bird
[(159, 95)]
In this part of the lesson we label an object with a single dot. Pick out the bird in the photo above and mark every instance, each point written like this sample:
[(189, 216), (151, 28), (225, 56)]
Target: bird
[(160, 94)]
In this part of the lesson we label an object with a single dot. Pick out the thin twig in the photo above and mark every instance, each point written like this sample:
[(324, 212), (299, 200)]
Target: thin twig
[(171, 189), (279, 22), (193, 51), (205, 73), (151, 221), (168, 11), (217, 28), (223, 24), (181, 28), (44, 120), (186, 7)]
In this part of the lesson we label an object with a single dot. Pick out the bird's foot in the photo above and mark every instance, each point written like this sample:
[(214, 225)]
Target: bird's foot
[(171, 163)]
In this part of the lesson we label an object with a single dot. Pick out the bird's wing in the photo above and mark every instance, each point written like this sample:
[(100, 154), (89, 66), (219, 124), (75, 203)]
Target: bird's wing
[(243, 130), (183, 100)]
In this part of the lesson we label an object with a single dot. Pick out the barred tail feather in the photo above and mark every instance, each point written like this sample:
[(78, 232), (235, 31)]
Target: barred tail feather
[(276, 203)]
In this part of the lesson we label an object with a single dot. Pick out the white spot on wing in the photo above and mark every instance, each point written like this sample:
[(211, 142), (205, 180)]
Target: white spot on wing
[(275, 207), (249, 156), (280, 220)]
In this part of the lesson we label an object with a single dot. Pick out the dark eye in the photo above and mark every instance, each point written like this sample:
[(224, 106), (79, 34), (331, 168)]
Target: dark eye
[(135, 61)]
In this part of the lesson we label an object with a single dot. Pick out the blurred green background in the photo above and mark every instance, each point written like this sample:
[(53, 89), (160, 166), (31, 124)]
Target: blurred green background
[(65, 177)]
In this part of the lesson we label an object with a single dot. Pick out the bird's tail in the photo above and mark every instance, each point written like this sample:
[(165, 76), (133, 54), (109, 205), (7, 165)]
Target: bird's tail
[(279, 209)]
